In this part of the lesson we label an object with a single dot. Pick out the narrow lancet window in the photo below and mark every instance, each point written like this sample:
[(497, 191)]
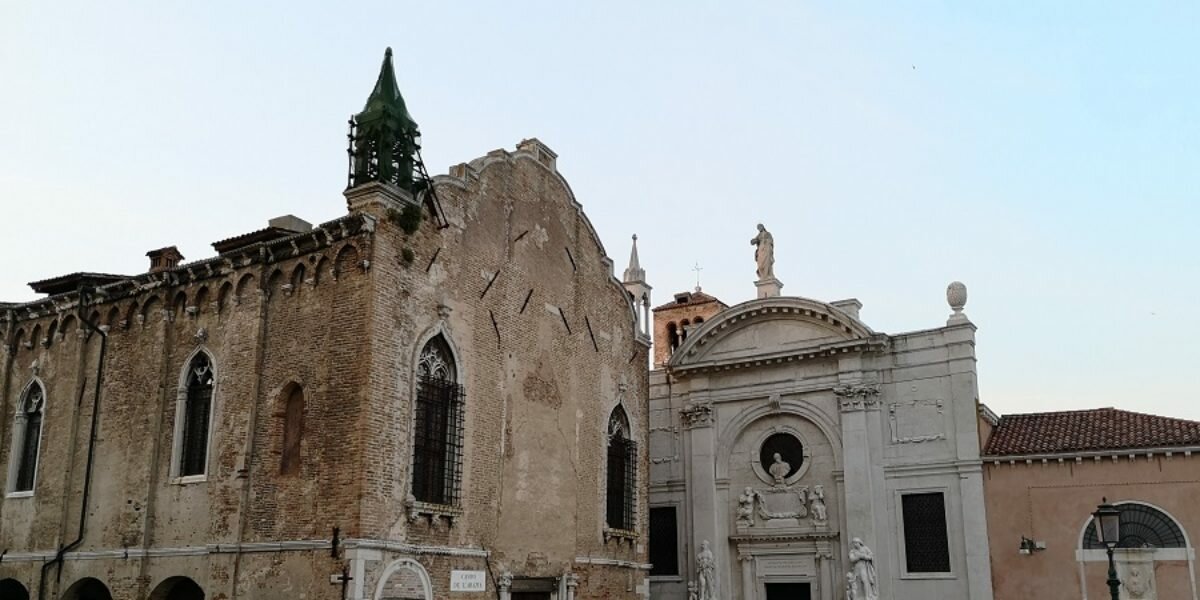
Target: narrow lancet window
[(622, 473), (197, 408), (29, 428), (293, 430), (438, 426)]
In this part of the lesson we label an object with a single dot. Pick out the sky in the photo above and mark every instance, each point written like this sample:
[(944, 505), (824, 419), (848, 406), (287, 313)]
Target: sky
[(1045, 154)]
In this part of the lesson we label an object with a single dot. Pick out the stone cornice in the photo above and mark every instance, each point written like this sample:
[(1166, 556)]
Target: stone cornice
[(785, 536), (1095, 455), (873, 344), (321, 237), (247, 547)]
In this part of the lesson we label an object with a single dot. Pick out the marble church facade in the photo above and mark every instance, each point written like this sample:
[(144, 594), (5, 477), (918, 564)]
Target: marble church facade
[(813, 456)]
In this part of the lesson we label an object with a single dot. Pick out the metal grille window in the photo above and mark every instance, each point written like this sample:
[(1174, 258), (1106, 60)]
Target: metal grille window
[(664, 537), (926, 545), (29, 421), (193, 456), (1141, 527), (438, 427), (622, 472)]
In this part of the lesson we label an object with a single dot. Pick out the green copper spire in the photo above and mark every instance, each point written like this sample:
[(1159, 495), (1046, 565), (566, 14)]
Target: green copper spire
[(384, 139)]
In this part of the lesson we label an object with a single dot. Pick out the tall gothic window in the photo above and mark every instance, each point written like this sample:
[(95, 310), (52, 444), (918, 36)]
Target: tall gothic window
[(28, 430), (195, 412), (293, 430), (622, 472), (438, 426)]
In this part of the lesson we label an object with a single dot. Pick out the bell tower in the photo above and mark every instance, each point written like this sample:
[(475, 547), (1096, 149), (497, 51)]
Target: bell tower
[(635, 283), (386, 171)]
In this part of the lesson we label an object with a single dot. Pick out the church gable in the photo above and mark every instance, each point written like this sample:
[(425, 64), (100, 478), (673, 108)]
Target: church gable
[(769, 327)]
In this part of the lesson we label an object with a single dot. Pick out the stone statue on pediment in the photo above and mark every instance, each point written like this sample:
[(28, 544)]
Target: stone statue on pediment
[(764, 253), (745, 511), (864, 582)]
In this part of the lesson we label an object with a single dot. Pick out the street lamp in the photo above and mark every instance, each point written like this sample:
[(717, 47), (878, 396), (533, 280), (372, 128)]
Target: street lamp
[(1107, 520)]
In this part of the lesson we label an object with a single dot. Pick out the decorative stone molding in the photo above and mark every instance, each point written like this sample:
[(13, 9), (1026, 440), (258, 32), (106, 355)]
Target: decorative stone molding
[(435, 512), (619, 534), (699, 414), (916, 421), (857, 397)]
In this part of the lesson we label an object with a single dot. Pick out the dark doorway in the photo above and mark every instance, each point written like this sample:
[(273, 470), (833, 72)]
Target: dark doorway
[(788, 591), (530, 596), (11, 588), (87, 589)]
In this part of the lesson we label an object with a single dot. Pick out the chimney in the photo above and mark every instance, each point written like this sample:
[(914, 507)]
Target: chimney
[(164, 259)]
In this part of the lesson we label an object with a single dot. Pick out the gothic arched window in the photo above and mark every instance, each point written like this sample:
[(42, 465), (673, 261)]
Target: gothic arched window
[(192, 417), (27, 439), (622, 472), (437, 426), (293, 429), (1141, 527)]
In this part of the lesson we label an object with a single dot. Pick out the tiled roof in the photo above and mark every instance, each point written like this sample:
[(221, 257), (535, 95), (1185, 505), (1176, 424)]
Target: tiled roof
[(692, 299), (1088, 430)]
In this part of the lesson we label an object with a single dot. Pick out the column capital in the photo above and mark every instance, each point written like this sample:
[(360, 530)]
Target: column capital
[(698, 414)]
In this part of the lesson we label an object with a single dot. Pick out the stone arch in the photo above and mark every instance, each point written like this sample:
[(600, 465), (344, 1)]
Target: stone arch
[(35, 337), (818, 321), (149, 307), (51, 331), (19, 339), (274, 281), (346, 260), (88, 588), (70, 324), (179, 303), (298, 276), (201, 300), (732, 431), (319, 271), (113, 318), (404, 579), (11, 589), (177, 588), (131, 313), (244, 285), (223, 294), (1152, 525)]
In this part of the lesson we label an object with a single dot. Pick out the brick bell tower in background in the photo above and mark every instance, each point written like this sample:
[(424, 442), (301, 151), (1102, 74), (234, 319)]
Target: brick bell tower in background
[(675, 319)]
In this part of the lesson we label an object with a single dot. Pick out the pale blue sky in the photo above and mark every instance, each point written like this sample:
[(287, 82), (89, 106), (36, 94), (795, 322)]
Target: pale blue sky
[(1046, 154)]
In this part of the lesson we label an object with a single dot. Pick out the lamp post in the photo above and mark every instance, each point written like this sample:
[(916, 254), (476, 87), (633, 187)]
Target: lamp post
[(1108, 530)]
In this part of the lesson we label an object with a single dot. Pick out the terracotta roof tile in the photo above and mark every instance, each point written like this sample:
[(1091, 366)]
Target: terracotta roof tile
[(1088, 430)]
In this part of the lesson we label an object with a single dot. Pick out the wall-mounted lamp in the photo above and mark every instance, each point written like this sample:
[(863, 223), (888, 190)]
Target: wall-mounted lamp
[(1029, 546)]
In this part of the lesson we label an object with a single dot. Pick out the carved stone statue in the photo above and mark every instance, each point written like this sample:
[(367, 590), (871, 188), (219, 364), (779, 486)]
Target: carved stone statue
[(745, 511), (816, 503), (779, 469), (764, 255), (864, 583), (691, 587), (706, 573)]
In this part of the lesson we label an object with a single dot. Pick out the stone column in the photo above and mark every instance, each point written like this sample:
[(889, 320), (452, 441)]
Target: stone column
[(749, 589), (572, 583), (504, 585), (825, 575), (697, 418), (858, 404)]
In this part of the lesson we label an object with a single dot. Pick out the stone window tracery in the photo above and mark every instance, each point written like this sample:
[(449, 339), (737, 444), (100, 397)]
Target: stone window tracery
[(193, 416), (437, 426), (1142, 526), (622, 472), (27, 448)]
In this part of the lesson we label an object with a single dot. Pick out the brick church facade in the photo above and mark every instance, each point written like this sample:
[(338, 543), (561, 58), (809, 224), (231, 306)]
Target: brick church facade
[(447, 383)]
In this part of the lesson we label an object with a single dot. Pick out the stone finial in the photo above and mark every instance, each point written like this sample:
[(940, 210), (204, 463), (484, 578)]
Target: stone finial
[(634, 273), (956, 297)]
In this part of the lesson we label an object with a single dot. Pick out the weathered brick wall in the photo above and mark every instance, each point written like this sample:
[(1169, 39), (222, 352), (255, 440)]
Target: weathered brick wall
[(545, 337)]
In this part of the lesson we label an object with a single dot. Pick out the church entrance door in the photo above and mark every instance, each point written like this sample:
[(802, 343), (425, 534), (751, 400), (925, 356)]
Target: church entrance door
[(789, 591), (530, 596)]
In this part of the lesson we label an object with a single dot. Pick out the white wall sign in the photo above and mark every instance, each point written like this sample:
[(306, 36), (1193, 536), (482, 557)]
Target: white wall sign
[(468, 581)]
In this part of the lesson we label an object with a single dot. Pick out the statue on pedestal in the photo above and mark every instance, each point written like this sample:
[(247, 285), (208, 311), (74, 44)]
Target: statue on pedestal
[(764, 254), (816, 503), (745, 511), (864, 583), (706, 573)]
